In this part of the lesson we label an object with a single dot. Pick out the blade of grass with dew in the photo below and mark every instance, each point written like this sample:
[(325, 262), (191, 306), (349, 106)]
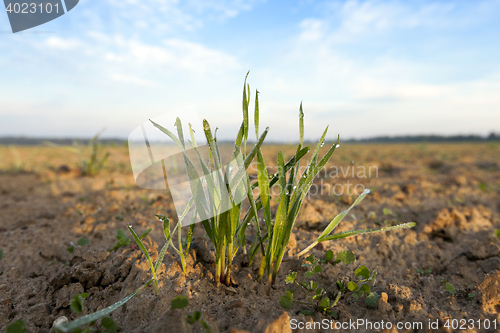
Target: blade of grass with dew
[(332, 225), (367, 231), (77, 323), (143, 249)]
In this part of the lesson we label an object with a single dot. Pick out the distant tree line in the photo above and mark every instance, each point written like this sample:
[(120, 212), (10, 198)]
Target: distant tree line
[(24, 141), (430, 138)]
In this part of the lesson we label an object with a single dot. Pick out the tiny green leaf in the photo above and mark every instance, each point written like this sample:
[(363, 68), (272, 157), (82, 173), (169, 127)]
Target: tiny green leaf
[(190, 320), (207, 327), (471, 295), (329, 255), (71, 248), (179, 302), (308, 274), (287, 300), (362, 271), (18, 326), (109, 324), (325, 302), (450, 288), (307, 312), (333, 313), (497, 233), (83, 241), (310, 258), (352, 286), (197, 315), (365, 288), (76, 304), (1, 253), (346, 257), (144, 234), (291, 277), (387, 211), (371, 299), (318, 269), (120, 234), (314, 285)]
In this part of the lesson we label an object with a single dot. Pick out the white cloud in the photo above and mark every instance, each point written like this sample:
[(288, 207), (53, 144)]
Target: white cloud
[(64, 44), (354, 19), (131, 79)]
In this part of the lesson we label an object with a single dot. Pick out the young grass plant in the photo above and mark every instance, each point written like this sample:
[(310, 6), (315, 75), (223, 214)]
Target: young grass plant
[(183, 249), (220, 214), (95, 161), (292, 192)]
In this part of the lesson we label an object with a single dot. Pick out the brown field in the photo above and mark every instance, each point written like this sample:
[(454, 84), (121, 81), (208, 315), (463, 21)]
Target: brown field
[(452, 192)]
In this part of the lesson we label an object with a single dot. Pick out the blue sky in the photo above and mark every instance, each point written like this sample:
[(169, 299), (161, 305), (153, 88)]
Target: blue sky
[(365, 68)]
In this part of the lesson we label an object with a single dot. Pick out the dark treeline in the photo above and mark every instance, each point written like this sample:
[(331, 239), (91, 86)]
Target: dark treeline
[(430, 138), (24, 141)]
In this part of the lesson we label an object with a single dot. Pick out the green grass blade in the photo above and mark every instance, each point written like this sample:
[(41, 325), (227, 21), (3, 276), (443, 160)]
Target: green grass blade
[(333, 224), (180, 133), (265, 198), (366, 231), (242, 171), (301, 125), (75, 324), (143, 249), (167, 132), (281, 211), (245, 113), (320, 143), (256, 114)]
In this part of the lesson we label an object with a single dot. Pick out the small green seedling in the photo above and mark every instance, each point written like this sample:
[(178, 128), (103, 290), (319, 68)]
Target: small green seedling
[(155, 267), (450, 288), (424, 271), (19, 326), (123, 240), (316, 295), (180, 302), (182, 251), (95, 161), (387, 211), (81, 243), (184, 243), (497, 233), (361, 285), (76, 304)]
